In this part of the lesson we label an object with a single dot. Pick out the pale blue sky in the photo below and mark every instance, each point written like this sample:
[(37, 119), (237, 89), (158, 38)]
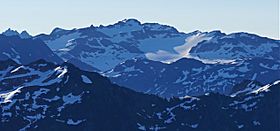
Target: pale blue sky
[(41, 16)]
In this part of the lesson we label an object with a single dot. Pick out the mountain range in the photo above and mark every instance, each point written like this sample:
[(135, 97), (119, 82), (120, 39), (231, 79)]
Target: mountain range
[(138, 76), (46, 96), (196, 63)]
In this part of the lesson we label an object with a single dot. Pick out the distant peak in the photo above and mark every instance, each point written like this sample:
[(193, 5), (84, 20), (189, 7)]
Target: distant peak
[(25, 35), (241, 34), (56, 30), (130, 22), (216, 33), (10, 32), (195, 32)]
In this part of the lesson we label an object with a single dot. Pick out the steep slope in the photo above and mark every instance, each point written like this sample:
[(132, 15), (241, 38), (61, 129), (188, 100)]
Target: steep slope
[(190, 76), (25, 50), (70, 99), (79, 100)]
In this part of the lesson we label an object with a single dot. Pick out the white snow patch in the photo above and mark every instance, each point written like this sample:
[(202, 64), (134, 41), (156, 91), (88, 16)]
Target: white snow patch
[(240, 126), (191, 42), (194, 125), (8, 96), (86, 79), (15, 70), (71, 99), (72, 122), (141, 127), (256, 123), (265, 88), (61, 71), (61, 42)]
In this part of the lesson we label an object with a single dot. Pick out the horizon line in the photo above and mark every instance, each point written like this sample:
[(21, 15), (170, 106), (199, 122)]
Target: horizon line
[(113, 23)]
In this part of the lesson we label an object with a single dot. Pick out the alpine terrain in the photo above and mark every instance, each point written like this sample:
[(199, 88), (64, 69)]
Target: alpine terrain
[(138, 76)]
